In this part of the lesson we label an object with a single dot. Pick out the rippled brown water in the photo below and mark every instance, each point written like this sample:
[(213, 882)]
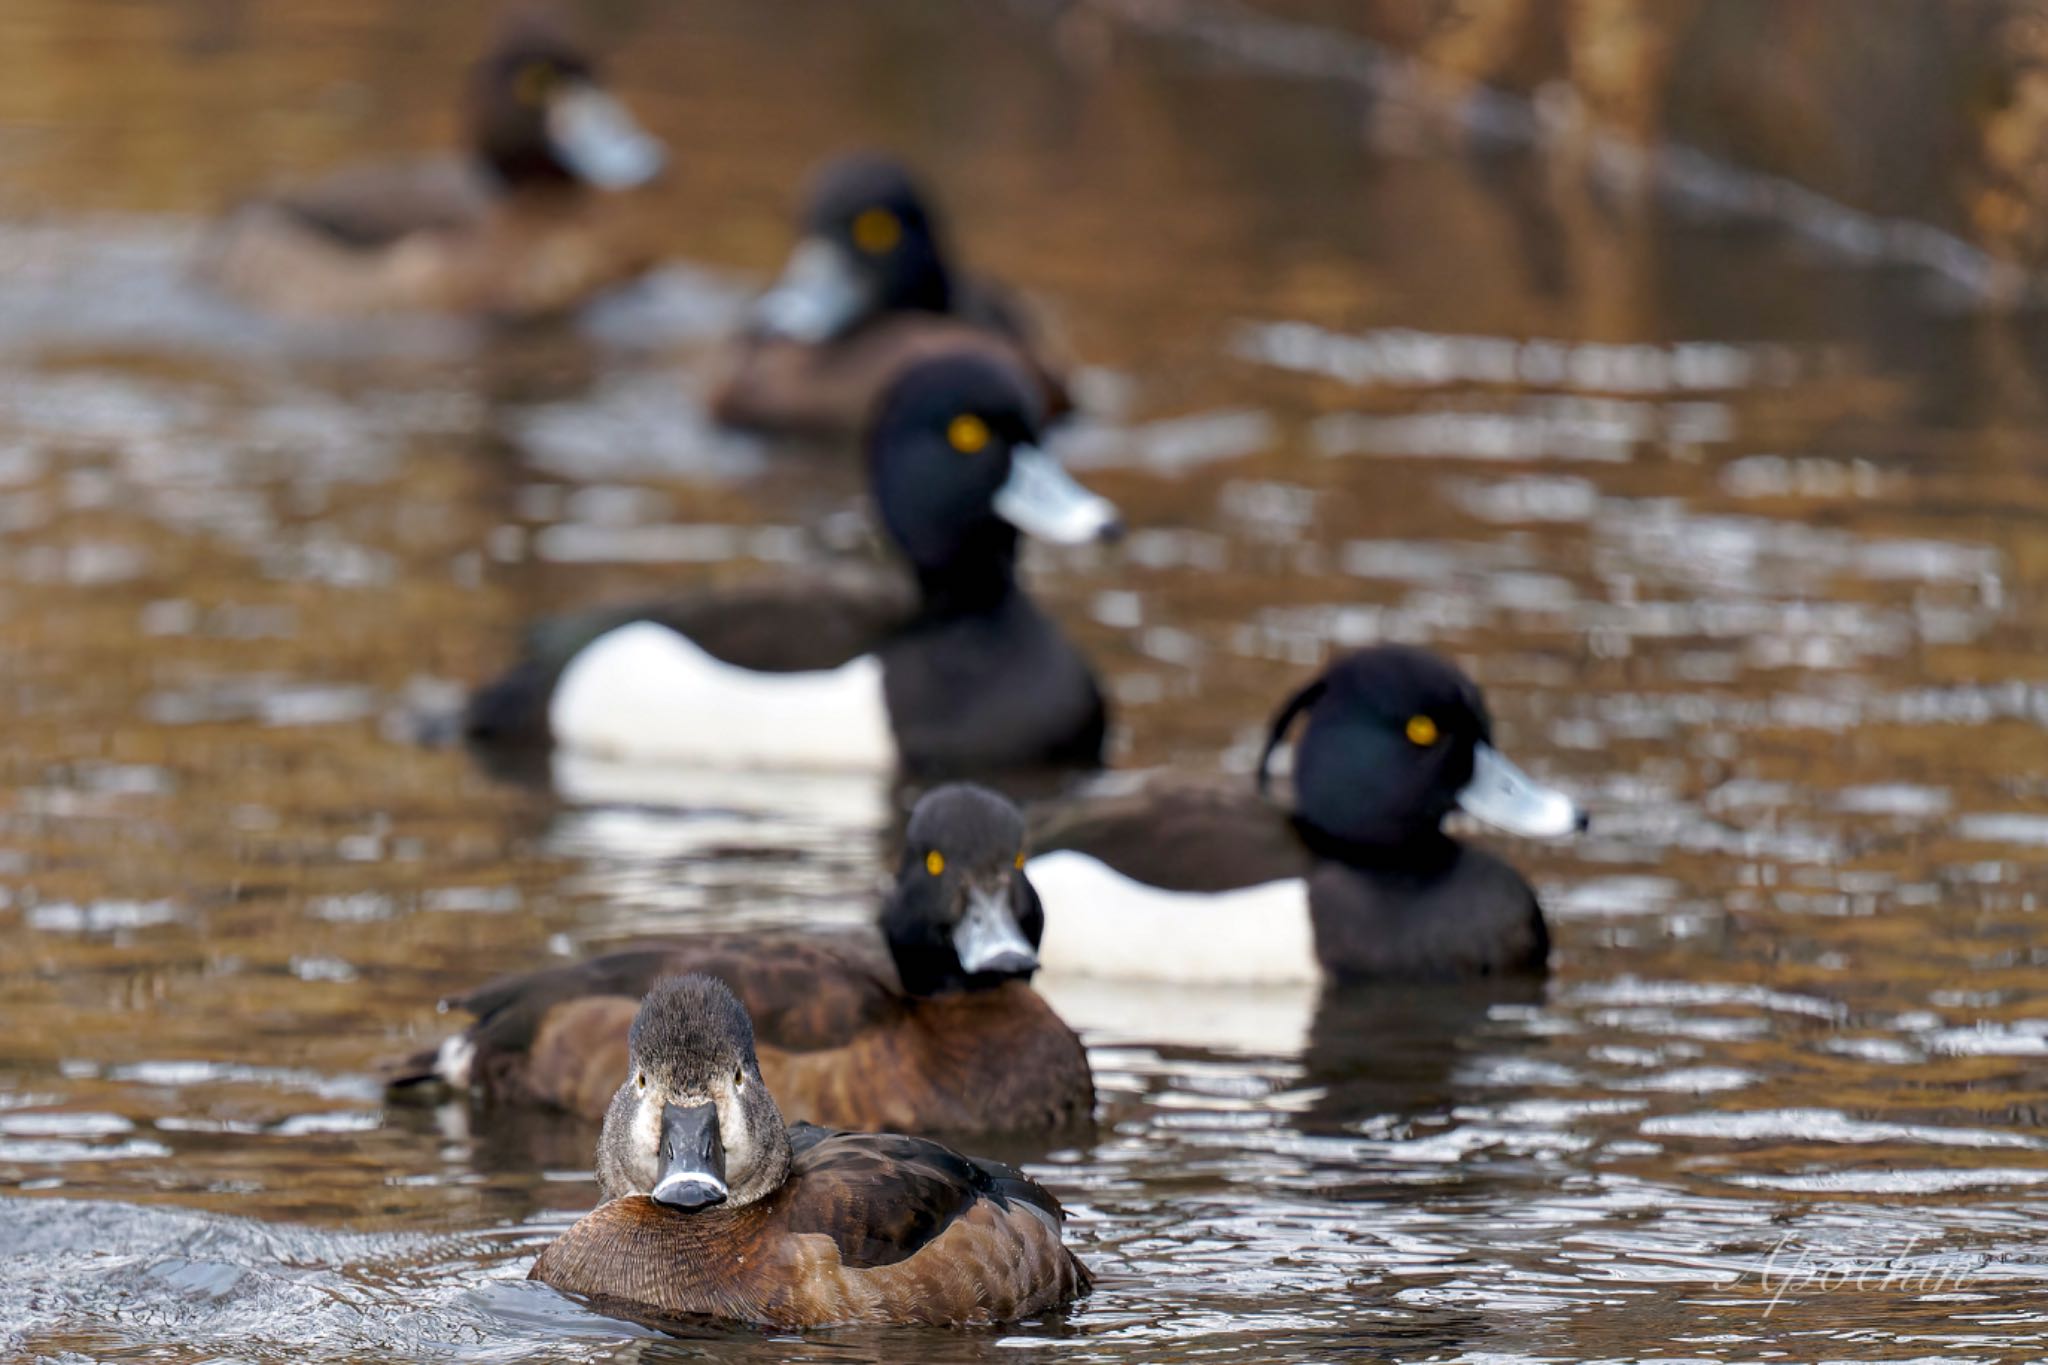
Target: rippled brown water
[(1741, 535)]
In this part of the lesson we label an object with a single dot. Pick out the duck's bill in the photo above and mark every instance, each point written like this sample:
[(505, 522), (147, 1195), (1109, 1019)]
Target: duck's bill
[(1507, 798), (1041, 499), (988, 938), (692, 1158), (602, 143), (820, 294)]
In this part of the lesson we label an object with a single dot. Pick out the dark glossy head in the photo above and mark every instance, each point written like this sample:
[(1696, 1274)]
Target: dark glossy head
[(957, 470), (867, 246), (693, 1125), (869, 206), (1396, 738), (962, 915), (539, 116)]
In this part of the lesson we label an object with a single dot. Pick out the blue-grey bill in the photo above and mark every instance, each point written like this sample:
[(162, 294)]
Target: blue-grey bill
[(1507, 798), (689, 1190), (1041, 499), (988, 939), (600, 141), (819, 294)]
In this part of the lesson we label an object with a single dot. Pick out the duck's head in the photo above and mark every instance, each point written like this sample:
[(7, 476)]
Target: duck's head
[(868, 245), (1397, 738), (539, 116), (962, 915), (957, 468), (693, 1126)]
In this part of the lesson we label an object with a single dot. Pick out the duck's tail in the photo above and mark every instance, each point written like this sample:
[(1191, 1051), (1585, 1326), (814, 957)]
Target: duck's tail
[(513, 709), (432, 1074)]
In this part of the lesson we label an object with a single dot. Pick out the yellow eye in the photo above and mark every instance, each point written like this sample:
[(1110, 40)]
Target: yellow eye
[(641, 1080), (534, 83), (935, 862), (739, 1080), (877, 231), (1422, 731), (967, 434), (1020, 861)]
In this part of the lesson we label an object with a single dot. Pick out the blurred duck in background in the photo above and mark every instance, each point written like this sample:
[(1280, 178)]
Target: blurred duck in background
[(1188, 881), (520, 229), (953, 672), (869, 290), (930, 1026)]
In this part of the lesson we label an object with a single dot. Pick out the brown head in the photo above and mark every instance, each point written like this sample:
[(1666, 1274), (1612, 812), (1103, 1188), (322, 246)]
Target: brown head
[(962, 915), (693, 1125), (538, 114)]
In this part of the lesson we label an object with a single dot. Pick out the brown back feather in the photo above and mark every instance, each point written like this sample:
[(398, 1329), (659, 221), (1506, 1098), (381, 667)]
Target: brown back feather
[(829, 389), (838, 1043), (867, 1229)]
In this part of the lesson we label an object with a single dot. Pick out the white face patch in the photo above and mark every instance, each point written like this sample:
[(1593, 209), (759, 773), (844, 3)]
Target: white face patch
[(1101, 923), (645, 1145), (646, 693), (737, 1137)]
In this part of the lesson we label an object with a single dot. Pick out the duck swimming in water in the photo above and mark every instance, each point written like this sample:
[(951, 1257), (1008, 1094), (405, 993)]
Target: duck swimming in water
[(870, 289), (713, 1208), (961, 674), (1356, 880), (524, 227), (930, 1026)]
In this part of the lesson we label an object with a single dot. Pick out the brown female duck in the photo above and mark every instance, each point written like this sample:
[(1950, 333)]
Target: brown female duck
[(867, 292), (519, 230), (949, 1037), (713, 1208)]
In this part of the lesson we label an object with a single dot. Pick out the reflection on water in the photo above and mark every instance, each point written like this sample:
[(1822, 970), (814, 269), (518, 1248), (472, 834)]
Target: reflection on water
[(1741, 540)]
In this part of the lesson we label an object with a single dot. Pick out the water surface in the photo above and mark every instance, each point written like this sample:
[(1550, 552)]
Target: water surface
[(1740, 534)]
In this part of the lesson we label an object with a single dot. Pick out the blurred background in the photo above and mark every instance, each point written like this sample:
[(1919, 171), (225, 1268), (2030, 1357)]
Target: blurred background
[(1673, 367)]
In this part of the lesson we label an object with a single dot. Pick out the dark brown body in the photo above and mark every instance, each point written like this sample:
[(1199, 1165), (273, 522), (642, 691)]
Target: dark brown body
[(830, 388), (435, 238), (866, 1229), (839, 1043)]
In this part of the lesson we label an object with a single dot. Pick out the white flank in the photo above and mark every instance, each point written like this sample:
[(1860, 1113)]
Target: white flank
[(645, 692), (1258, 1021), (1101, 923)]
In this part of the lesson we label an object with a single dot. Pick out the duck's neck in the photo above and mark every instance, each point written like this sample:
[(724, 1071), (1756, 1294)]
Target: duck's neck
[(925, 288), (1422, 852), (523, 166), (930, 970), (977, 578)]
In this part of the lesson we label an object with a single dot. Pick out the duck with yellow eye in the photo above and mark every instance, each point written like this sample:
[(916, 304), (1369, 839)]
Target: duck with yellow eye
[(716, 1208), (1187, 880), (930, 1026), (955, 674), (868, 290), (529, 224)]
